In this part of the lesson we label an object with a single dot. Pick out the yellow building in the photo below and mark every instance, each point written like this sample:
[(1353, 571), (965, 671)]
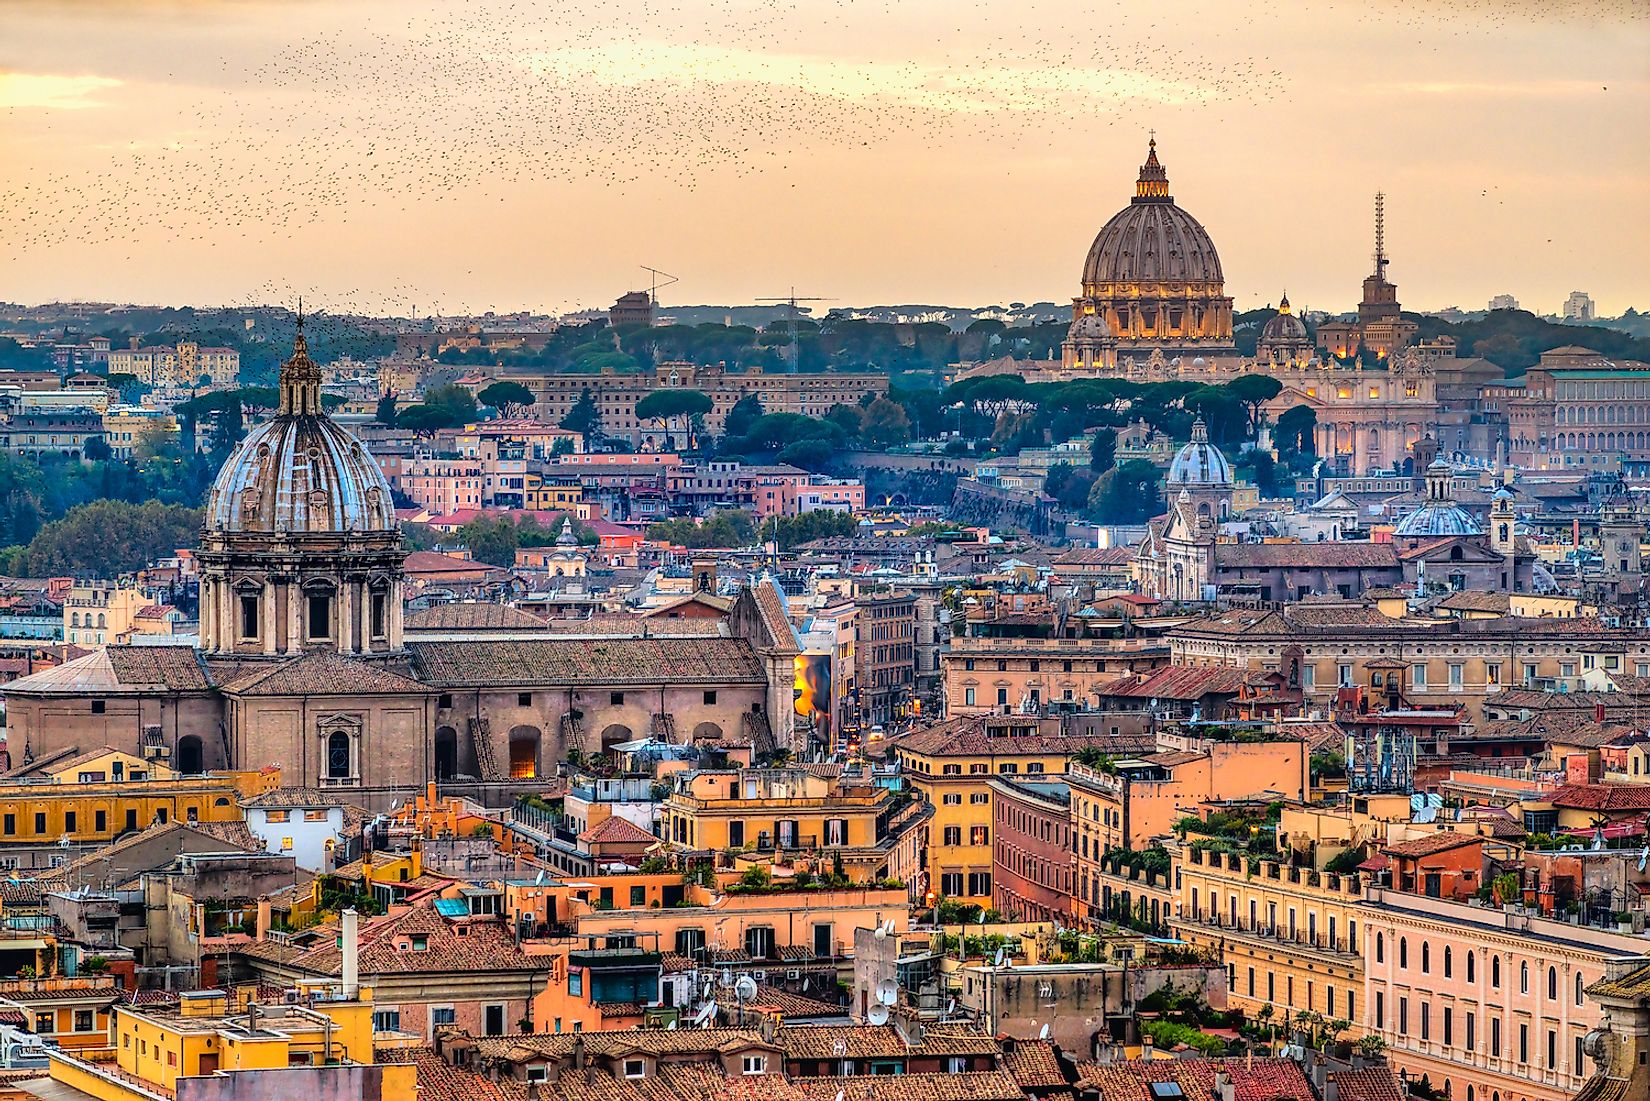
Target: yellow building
[(950, 766), (316, 1042), (1289, 936), (786, 810), (72, 1013), (95, 797)]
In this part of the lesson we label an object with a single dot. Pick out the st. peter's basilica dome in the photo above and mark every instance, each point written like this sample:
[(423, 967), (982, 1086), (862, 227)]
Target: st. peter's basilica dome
[(1152, 240)]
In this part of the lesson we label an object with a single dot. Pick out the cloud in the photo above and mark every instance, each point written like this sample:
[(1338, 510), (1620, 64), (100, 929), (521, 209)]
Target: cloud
[(52, 91)]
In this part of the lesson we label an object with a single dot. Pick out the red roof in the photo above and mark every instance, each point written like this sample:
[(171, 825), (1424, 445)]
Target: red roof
[(1431, 845), (617, 831), (1269, 1079), (1605, 797)]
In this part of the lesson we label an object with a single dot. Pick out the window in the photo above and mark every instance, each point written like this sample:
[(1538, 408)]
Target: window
[(1167, 1091), (1495, 972), (978, 769), (1472, 1031), (1472, 969), (441, 1015), (638, 897), (249, 617), (1380, 948), (1523, 1043), (100, 820), (1008, 768), (1523, 977), (575, 984), (1580, 985), (39, 823), (320, 618), (386, 1020), (445, 701), (1456, 677), (979, 883), (952, 835), (420, 942), (83, 1020), (710, 698), (1403, 953), (1403, 1016), (979, 835), (616, 699), (1446, 961), (380, 615), (979, 798), (1449, 1026), (1380, 1009), (635, 1068), (1426, 1021), (968, 697), (69, 821), (951, 799), (951, 770), (98, 707), (1426, 958), (493, 1020), (951, 884), (753, 1064), (338, 755)]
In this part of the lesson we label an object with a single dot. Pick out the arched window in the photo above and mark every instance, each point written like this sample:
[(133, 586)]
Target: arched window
[(74, 619), (338, 762), (1446, 961), (1403, 953), (1552, 983), (1495, 972), (1472, 969), (1426, 958), (100, 623), (1380, 947), (1523, 977), (1580, 987)]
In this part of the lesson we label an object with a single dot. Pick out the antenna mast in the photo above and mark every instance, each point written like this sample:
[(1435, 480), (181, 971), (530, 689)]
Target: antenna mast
[(791, 300), (653, 289), (1380, 233)]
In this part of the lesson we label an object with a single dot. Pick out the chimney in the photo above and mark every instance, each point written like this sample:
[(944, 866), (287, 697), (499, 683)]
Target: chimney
[(1332, 1090), (1320, 1069), (263, 919), (1224, 1090), (578, 1051), (350, 942)]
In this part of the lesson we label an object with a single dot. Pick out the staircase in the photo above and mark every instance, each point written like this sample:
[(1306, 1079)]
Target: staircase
[(759, 733), (481, 742)]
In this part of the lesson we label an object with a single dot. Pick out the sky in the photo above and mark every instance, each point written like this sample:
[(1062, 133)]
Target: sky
[(458, 156)]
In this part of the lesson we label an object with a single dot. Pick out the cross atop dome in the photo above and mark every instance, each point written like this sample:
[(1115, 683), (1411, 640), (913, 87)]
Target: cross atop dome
[(1153, 184), (300, 377)]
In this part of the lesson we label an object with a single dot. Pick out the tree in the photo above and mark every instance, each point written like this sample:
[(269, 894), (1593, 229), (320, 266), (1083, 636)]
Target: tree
[(886, 424), (849, 418), (385, 414), (1069, 485), (725, 528), (510, 398), (814, 455), (1126, 494), (585, 418), (1253, 391), (442, 407), (1296, 430), (109, 538), (668, 405), (1103, 451), (745, 413), (97, 450), (792, 531)]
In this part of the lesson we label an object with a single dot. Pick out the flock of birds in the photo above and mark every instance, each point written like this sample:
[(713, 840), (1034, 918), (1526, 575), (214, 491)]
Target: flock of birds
[(466, 101)]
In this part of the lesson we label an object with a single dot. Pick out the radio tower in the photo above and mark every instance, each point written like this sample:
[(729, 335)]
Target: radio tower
[(1380, 235)]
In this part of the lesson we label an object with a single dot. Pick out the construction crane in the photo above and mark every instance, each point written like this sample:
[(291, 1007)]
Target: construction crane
[(792, 299)]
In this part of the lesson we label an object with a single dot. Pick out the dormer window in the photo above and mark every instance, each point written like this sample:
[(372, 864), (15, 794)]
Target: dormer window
[(635, 1068), (753, 1064), (420, 942)]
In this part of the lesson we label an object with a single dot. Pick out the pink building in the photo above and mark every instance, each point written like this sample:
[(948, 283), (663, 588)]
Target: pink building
[(443, 484), (778, 490), (1483, 1003)]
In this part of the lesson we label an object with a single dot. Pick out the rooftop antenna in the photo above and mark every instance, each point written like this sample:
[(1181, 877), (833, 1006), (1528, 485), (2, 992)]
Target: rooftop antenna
[(1380, 234), (791, 300)]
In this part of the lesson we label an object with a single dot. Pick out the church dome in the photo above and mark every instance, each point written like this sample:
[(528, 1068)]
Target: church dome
[(1200, 462), (300, 472), (1284, 327), (1439, 515), (1089, 327), (1152, 240)]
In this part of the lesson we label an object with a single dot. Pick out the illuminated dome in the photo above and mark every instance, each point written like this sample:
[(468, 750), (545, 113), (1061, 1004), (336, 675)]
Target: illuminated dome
[(1200, 462), (1152, 240), (300, 472), (1153, 276), (1440, 515), (1284, 328)]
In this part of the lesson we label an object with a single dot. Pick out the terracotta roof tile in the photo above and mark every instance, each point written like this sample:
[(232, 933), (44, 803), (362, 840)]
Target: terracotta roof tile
[(1603, 797), (1431, 844), (468, 615), (1269, 1079), (325, 672), (616, 830), (1376, 1083), (583, 661)]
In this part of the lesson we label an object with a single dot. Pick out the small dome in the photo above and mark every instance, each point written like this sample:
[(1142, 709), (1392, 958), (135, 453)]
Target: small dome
[(300, 472), (1200, 462), (1284, 327), (1090, 327), (1434, 519)]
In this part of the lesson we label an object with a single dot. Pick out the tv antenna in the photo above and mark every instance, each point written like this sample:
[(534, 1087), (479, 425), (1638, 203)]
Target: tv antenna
[(790, 317)]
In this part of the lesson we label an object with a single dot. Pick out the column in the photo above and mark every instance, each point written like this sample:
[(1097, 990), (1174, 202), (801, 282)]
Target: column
[(267, 615), (394, 612), (364, 617), (293, 644), (343, 620), (205, 615), (224, 607)]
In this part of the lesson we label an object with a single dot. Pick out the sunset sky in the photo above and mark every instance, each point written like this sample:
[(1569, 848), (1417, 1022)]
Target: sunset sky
[(392, 155)]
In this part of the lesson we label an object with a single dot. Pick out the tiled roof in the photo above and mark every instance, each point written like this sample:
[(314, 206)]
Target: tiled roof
[(1634, 984), (583, 661), (873, 1042), (325, 672), (652, 1041), (1602, 797), (472, 616), (616, 831), (297, 797), (1179, 682), (1311, 556), (989, 1085), (1430, 845), (1376, 1083), (795, 1006), (1034, 1064), (432, 562), (1270, 1079), (439, 1080), (1469, 600), (967, 737), (484, 946), (176, 668)]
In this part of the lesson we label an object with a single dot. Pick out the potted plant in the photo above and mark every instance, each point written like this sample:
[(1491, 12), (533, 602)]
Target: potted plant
[(1624, 922)]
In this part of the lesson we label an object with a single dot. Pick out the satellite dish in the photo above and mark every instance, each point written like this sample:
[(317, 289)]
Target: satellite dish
[(1042, 1033), (878, 1015), (669, 1027), (999, 961), (888, 927), (881, 933), (887, 992), (539, 882), (706, 1012), (950, 1006), (745, 988), (1644, 857)]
